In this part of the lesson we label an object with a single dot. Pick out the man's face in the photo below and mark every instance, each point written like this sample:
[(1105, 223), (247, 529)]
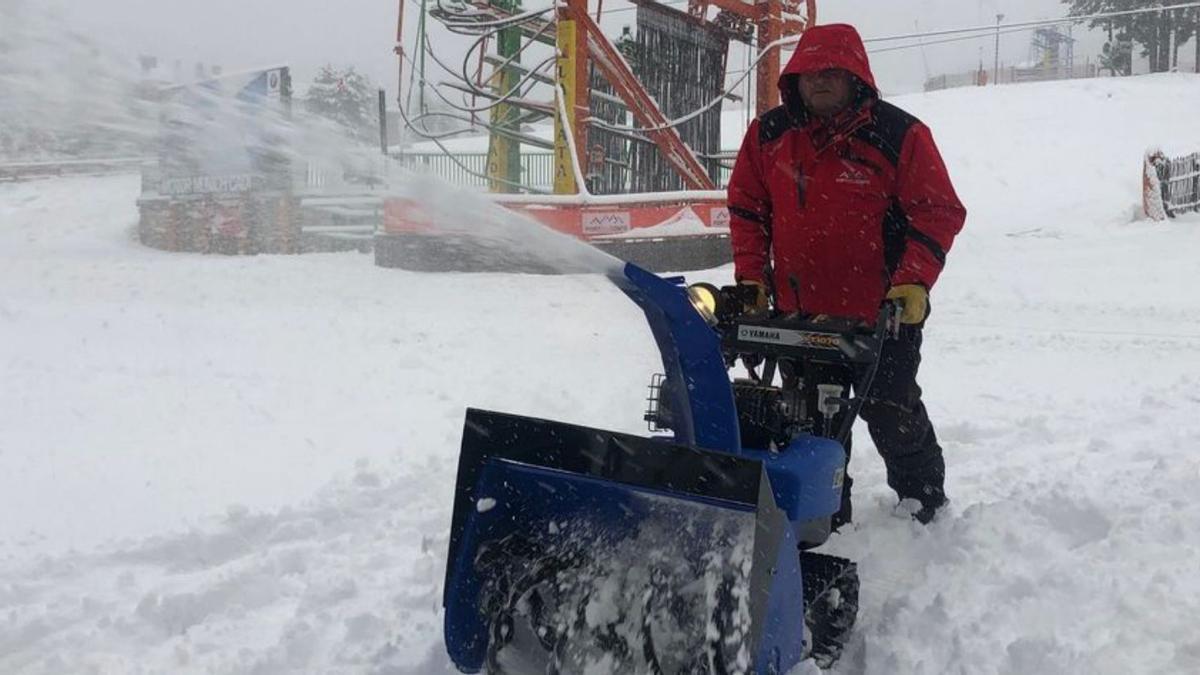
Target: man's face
[(828, 92)]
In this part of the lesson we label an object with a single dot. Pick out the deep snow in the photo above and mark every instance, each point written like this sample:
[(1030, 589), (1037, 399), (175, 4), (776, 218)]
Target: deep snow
[(245, 465)]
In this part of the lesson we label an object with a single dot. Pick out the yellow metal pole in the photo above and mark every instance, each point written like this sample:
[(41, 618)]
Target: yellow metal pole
[(566, 76)]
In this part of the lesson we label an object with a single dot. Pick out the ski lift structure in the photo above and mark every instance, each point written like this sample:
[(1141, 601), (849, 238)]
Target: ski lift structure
[(636, 146)]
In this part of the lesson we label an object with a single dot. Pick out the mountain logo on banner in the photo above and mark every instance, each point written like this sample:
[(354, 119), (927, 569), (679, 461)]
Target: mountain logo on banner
[(608, 222)]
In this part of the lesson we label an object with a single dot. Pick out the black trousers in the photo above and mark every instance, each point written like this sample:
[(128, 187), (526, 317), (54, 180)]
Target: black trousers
[(899, 425)]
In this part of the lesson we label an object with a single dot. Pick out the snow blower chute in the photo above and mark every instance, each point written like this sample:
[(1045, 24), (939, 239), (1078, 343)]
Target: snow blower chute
[(576, 550)]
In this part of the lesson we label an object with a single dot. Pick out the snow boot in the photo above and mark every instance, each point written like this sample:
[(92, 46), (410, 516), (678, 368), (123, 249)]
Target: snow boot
[(922, 512)]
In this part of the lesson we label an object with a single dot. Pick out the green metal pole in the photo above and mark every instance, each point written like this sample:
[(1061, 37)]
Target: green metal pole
[(504, 152), (422, 41)]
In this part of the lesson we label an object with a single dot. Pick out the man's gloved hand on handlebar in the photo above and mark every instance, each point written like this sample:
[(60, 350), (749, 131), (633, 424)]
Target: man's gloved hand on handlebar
[(914, 301), (753, 295)]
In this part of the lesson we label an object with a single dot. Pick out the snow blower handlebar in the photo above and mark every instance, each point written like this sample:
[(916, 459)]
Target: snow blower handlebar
[(843, 350)]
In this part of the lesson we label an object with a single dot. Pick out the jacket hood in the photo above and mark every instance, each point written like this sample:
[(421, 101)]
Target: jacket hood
[(835, 45)]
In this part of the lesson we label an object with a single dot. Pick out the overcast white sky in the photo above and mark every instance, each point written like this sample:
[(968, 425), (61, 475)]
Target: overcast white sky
[(239, 34)]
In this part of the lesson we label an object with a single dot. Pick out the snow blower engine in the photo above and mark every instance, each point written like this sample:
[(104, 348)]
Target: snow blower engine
[(578, 550)]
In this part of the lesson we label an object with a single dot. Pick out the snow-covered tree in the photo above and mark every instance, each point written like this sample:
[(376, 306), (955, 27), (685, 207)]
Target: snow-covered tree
[(346, 97), (1160, 34)]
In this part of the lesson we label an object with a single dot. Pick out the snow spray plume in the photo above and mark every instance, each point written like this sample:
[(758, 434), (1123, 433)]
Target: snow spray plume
[(67, 96), (64, 96), (502, 238)]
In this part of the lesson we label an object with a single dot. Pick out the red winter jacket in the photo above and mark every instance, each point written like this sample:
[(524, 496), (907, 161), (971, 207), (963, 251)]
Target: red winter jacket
[(832, 215)]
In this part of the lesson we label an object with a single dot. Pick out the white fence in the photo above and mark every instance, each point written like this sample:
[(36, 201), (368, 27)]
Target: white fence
[(363, 175), (1012, 74)]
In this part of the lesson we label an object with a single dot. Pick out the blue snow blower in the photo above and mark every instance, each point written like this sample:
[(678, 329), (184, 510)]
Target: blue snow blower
[(578, 550)]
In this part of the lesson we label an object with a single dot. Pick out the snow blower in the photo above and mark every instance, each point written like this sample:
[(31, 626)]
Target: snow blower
[(577, 550)]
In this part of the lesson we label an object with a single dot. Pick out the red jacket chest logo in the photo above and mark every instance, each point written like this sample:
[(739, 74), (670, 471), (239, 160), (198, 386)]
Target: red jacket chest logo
[(853, 174)]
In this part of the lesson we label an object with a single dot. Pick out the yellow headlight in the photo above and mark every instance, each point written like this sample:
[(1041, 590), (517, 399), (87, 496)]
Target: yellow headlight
[(704, 299)]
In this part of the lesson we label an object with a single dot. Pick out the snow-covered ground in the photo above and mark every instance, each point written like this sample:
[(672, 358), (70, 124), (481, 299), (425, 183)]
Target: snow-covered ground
[(218, 465)]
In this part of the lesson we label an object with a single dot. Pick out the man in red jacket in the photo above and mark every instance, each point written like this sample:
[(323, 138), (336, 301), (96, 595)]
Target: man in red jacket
[(839, 200)]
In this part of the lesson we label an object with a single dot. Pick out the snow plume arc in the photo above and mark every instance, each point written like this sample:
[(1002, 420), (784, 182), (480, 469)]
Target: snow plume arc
[(66, 96), (57, 82), (498, 234)]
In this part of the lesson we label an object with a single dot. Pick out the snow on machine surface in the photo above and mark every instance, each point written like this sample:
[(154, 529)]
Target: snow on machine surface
[(577, 550)]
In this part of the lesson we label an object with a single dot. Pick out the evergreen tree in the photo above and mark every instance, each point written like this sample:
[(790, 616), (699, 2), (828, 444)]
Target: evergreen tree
[(346, 97), (1117, 58), (1160, 34)]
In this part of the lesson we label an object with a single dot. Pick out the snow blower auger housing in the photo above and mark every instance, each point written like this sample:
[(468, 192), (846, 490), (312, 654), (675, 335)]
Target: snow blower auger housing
[(580, 550)]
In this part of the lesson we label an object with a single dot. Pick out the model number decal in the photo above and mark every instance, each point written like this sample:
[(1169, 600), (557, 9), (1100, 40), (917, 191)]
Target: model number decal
[(792, 338)]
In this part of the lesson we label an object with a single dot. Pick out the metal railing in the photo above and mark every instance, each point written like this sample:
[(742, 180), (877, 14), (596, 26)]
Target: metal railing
[(468, 168), (1012, 74)]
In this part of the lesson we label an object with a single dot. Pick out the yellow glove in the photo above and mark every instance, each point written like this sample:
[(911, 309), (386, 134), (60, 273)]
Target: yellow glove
[(915, 299), (754, 297)]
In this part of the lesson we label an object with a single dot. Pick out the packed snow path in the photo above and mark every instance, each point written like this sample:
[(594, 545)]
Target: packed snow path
[(246, 465)]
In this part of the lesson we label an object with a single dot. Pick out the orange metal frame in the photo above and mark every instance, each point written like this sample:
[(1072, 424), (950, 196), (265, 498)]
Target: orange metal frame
[(595, 47), (773, 19), (768, 17)]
